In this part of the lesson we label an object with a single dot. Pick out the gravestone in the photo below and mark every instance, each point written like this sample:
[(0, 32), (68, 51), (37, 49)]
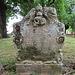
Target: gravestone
[(39, 39)]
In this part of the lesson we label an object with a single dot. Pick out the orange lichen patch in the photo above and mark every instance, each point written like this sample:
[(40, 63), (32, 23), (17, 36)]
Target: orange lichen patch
[(4, 56), (67, 50)]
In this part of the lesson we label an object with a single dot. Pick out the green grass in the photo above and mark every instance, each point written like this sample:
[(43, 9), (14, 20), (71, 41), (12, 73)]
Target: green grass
[(69, 49), (8, 52)]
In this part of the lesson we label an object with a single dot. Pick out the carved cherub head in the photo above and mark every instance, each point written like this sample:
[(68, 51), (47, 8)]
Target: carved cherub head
[(39, 10), (39, 20)]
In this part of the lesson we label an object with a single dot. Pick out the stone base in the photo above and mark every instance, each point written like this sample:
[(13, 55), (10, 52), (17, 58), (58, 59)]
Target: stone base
[(38, 69)]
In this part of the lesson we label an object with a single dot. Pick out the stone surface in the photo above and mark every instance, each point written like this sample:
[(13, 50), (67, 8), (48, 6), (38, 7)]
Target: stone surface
[(39, 37), (38, 69)]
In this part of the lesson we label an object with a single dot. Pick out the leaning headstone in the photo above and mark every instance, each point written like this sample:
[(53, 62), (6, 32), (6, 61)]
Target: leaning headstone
[(39, 39)]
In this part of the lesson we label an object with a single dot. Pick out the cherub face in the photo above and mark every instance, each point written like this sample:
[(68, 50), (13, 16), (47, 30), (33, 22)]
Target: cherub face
[(39, 8)]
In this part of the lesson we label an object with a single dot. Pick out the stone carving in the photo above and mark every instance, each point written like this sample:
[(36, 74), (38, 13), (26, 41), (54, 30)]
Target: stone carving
[(50, 14), (39, 20), (61, 34), (30, 17), (60, 39), (40, 36), (17, 36), (60, 58)]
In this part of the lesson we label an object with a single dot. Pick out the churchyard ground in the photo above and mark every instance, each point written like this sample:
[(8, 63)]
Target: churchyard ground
[(8, 51)]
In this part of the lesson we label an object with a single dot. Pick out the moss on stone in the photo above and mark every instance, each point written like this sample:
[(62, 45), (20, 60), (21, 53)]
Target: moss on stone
[(28, 53), (55, 69), (32, 53)]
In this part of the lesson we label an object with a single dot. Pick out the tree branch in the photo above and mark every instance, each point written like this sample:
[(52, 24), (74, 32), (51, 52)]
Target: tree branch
[(49, 0), (52, 2), (25, 1)]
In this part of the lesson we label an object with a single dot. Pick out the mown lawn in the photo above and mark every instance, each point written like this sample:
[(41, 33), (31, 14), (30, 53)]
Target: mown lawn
[(69, 49), (8, 51)]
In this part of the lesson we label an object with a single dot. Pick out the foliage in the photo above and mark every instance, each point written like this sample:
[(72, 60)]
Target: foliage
[(25, 6), (63, 7), (9, 8), (71, 16), (65, 12), (20, 6), (12, 7), (71, 21), (70, 29)]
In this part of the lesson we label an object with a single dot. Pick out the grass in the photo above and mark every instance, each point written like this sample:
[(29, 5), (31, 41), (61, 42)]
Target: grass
[(8, 51), (69, 49)]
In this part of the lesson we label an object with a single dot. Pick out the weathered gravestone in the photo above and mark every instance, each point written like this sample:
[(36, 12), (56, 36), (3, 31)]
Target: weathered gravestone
[(39, 38)]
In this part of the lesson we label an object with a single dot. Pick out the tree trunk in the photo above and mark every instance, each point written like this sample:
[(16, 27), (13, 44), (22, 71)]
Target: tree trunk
[(31, 4), (74, 31), (0, 26), (3, 19), (74, 34), (4, 31)]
